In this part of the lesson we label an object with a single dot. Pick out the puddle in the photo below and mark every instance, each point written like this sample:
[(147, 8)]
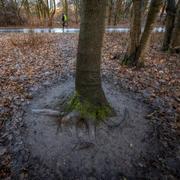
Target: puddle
[(112, 153)]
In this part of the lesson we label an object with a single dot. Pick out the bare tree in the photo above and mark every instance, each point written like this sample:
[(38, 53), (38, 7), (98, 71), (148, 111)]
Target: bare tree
[(175, 41), (136, 59), (171, 12)]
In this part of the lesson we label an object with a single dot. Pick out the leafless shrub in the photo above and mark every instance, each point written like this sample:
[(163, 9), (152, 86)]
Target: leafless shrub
[(30, 40), (9, 13)]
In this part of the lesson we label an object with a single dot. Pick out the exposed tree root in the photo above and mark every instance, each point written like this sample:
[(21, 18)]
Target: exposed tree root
[(83, 145), (73, 120), (113, 125), (48, 112)]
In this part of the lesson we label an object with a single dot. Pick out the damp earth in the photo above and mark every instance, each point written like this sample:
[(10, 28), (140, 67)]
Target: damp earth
[(111, 149)]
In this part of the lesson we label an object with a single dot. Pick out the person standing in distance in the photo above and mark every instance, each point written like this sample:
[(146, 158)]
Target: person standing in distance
[(64, 20)]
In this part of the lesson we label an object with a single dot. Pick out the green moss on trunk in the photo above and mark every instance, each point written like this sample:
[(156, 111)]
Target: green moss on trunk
[(88, 110)]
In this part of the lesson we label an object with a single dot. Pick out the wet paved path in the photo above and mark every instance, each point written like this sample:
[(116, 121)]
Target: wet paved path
[(60, 30)]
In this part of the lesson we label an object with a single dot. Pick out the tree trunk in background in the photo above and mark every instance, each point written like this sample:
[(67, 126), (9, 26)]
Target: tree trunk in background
[(118, 6), (76, 13), (127, 8), (151, 19), (175, 42), (88, 78), (135, 32), (76, 9), (144, 5), (110, 11), (52, 11), (164, 8), (171, 11)]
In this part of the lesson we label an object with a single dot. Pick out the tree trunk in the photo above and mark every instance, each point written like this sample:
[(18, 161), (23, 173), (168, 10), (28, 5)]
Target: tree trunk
[(88, 78), (110, 10), (135, 32), (151, 18), (117, 11), (175, 42), (144, 6), (52, 11), (171, 11), (76, 9), (163, 8)]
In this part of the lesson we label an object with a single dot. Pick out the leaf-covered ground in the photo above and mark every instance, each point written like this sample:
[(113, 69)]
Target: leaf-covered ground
[(29, 61)]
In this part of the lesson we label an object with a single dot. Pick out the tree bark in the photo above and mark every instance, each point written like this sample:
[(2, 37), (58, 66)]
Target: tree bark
[(117, 11), (171, 11), (135, 32), (88, 78), (52, 11), (163, 9), (137, 47), (175, 42), (144, 6), (76, 9), (110, 11), (151, 18)]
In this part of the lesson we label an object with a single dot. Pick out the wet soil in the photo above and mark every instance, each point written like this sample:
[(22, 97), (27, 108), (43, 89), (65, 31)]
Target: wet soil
[(70, 153)]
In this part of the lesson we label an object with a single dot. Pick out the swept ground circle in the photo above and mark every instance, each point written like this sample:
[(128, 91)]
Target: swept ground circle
[(113, 152)]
